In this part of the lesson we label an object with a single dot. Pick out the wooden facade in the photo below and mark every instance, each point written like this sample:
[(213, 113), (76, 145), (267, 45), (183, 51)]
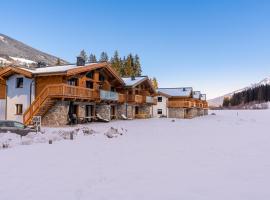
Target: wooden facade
[(95, 83)]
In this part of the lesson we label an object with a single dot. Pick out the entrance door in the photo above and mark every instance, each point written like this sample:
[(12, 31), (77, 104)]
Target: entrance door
[(73, 113), (136, 110), (89, 112), (113, 112)]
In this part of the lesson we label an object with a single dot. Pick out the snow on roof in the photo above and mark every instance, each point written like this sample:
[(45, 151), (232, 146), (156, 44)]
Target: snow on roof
[(196, 94), (178, 92), (53, 69), (203, 97), (131, 82)]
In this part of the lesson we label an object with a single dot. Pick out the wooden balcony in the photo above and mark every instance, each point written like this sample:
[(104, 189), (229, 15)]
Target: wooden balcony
[(150, 100), (139, 99), (57, 91), (111, 96), (205, 105), (122, 98), (180, 104)]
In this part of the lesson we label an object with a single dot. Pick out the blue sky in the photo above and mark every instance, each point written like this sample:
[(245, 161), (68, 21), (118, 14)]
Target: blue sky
[(214, 46)]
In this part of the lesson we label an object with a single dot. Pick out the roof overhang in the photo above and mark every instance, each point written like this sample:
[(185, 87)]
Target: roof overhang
[(9, 71), (145, 79)]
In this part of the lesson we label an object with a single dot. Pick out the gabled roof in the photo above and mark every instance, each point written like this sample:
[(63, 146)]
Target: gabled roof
[(135, 81), (67, 70), (176, 92), (196, 94)]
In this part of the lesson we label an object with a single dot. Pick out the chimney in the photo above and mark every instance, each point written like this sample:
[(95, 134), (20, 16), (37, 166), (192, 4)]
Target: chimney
[(41, 64), (133, 78), (80, 61)]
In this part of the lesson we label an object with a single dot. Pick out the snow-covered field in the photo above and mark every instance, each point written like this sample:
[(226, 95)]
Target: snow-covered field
[(217, 157)]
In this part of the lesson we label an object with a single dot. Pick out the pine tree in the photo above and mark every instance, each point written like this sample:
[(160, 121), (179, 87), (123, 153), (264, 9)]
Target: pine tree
[(92, 58), (83, 55), (137, 66), (128, 70), (116, 63), (226, 102), (155, 83), (104, 57), (58, 62)]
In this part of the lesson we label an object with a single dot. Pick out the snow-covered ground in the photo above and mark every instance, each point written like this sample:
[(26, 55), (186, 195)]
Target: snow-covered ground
[(223, 156)]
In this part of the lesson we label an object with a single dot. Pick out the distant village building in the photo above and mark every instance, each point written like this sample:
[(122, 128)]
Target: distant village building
[(180, 103)]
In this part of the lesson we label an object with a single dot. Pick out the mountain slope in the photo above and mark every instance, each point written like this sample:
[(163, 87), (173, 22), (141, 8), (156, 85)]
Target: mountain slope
[(218, 101), (13, 51)]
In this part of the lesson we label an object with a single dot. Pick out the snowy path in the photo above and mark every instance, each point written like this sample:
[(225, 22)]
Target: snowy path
[(224, 157)]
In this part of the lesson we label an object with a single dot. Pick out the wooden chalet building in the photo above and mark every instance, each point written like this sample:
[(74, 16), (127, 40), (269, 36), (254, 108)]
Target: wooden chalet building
[(141, 97), (61, 93), (180, 103)]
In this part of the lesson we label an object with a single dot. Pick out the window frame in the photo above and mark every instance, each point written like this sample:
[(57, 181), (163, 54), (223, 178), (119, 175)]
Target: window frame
[(17, 109), (158, 111), (21, 82), (159, 99)]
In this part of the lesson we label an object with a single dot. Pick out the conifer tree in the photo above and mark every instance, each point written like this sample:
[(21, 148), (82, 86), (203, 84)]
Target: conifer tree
[(83, 55), (58, 62), (137, 66), (155, 83), (104, 57), (128, 66), (116, 63), (92, 58), (226, 102)]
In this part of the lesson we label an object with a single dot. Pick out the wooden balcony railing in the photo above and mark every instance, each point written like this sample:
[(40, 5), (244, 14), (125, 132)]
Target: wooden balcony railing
[(122, 98), (205, 105), (109, 95), (150, 100), (58, 91), (180, 104), (135, 99)]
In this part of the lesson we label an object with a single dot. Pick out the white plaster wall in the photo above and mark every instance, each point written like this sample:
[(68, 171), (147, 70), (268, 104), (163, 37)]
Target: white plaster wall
[(161, 105), (18, 96), (2, 109)]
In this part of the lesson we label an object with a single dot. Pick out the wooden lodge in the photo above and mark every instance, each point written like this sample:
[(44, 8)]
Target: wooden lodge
[(180, 103), (80, 93)]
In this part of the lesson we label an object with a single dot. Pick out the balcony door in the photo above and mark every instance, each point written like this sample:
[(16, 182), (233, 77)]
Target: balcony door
[(73, 82), (89, 84)]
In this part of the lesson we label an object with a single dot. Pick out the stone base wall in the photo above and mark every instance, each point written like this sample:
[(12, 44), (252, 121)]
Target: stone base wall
[(145, 109), (200, 112), (205, 111), (81, 110), (57, 115), (176, 113), (191, 113), (104, 111), (126, 110)]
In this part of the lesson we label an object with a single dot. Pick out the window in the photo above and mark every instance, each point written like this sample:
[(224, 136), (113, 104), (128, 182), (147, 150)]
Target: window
[(19, 83), (73, 82), (101, 78), (159, 99), (89, 84), (89, 75), (19, 109), (113, 89), (159, 111)]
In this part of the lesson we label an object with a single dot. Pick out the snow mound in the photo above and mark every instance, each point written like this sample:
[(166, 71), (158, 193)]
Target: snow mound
[(114, 132)]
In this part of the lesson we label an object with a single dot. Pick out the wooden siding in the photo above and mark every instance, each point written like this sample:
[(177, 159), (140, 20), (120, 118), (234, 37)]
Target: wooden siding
[(43, 81), (2, 89)]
